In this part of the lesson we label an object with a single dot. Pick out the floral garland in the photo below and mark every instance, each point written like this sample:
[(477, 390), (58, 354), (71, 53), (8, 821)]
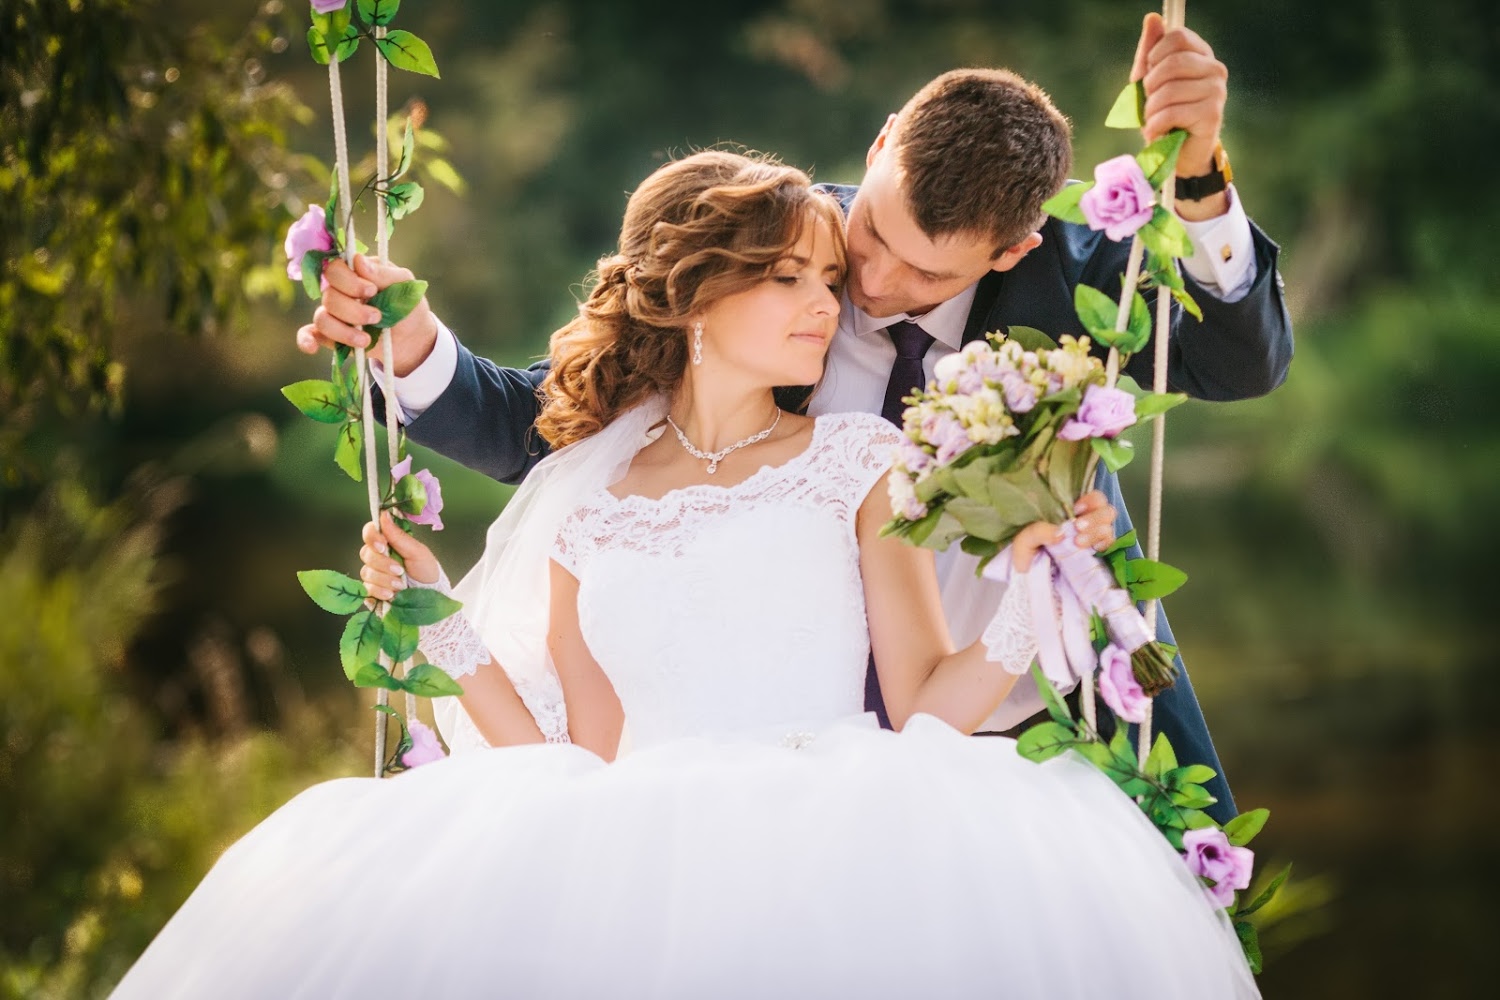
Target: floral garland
[(379, 639)]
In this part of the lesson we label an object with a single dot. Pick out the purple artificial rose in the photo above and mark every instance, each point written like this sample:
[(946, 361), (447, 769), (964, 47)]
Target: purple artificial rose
[(1209, 854), (425, 747), (434, 505), (1020, 395), (1103, 413), (328, 6), (307, 233), (1121, 200), (1118, 686)]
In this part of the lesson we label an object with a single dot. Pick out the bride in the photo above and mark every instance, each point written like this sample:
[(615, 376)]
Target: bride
[(702, 568)]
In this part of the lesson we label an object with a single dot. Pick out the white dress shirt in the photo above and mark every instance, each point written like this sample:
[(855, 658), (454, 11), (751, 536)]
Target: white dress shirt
[(859, 365)]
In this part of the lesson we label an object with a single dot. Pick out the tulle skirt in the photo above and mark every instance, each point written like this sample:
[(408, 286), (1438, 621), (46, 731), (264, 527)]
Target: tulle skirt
[(852, 863)]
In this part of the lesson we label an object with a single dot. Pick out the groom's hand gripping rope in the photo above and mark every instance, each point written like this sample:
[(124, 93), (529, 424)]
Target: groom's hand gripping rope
[(346, 310)]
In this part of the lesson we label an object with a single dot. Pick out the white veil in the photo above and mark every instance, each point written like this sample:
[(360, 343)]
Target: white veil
[(506, 594)]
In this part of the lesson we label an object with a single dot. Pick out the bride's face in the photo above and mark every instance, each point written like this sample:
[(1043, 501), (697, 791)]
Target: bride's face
[(778, 332)]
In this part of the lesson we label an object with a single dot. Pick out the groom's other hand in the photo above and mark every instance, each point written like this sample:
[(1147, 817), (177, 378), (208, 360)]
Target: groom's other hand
[(346, 309), (1186, 88)]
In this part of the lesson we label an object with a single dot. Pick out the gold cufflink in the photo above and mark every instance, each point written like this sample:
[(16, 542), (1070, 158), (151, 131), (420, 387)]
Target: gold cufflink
[(1225, 253)]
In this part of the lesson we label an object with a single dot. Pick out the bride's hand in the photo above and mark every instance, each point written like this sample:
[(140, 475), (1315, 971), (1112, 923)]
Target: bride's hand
[(383, 576), (1094, 521)]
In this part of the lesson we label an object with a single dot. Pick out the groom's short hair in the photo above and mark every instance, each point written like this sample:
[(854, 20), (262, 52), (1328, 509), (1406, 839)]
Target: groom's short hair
[(979, 150)]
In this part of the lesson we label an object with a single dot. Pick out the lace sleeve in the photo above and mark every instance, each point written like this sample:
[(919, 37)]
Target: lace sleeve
[(868, 452), (1010, 638)]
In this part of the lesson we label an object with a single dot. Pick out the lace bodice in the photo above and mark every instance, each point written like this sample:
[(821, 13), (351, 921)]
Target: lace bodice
[(716, 610)]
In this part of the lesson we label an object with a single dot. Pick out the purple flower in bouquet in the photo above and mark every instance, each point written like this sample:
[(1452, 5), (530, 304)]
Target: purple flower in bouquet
[(308, 233), (1020, 395), (945, 433), (1209, 854), (1118, 686), (1104, 413), (425, 747), (914, 457), (434, 505), (1121, 200), (328, 6)]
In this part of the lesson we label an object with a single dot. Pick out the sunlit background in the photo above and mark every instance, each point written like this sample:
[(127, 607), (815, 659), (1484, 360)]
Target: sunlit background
[(166, 683)]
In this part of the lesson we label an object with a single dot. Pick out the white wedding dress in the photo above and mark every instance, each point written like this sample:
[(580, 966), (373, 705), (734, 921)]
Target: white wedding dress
[(761, 839)]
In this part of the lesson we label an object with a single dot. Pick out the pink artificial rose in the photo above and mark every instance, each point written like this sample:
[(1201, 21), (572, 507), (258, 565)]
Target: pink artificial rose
[(1103, 413), (434, 505), (1121, 200), (425, 747), (328, 6), (308, 233), (1209, 854), (1118, 686)]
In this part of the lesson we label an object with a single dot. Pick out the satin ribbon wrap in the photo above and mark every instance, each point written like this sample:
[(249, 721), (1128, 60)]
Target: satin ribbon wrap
[(1083, 584)]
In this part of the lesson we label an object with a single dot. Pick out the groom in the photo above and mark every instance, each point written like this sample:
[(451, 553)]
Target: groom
[(946, 243)]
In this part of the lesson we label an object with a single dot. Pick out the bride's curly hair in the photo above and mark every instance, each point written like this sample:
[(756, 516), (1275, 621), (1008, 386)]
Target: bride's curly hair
[(698, 229)]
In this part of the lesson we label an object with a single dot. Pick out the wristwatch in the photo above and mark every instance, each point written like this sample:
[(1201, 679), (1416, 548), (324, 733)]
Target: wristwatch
[(1198, 188)]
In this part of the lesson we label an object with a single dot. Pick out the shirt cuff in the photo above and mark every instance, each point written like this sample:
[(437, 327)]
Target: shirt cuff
[(1223, 260), (421, 387)]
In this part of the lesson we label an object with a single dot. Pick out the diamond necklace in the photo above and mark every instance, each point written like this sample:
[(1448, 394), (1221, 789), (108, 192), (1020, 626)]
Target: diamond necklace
[(714, 458)]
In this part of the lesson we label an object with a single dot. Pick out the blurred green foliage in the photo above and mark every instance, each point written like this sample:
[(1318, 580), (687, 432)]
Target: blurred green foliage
[(155, 654)]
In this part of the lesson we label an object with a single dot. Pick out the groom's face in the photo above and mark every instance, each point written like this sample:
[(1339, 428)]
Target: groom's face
[(895, 267)]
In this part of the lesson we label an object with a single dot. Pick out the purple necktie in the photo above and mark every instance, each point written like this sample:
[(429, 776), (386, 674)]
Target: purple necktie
[(911, 343)]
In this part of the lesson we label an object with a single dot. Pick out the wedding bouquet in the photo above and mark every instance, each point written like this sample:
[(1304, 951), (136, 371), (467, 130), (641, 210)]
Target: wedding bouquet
[(1009, 432)]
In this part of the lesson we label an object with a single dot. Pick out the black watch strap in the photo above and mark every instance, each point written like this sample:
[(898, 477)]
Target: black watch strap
[(1204, 185)]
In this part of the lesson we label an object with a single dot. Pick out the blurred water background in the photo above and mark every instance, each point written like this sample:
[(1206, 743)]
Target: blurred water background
[(164, 683)]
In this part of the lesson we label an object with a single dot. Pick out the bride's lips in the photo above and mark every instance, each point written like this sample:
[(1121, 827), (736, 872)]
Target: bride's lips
[(819, 339)]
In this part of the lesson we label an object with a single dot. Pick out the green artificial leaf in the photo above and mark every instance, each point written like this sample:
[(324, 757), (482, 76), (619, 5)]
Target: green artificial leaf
[(1159, 159), (1244, 827), (409, 496), (419, 606), (345, 377), (978, 518), (1115, 452), (1129, 110), (403, 745), (1119, 745), (359, 646), (316, 398), (317, 46), (404, 50), (1148, 580), (984, 549), (396, 302), (1121, 544), (1097, 312), (1045, 740), (1192, 797), (923, 527), (1064, 204), (347, 43), (403, 199), (312, 272), (428, 681), (1188, 303), (333, 22), (1139, 327), (348, 452), (1030, 338), (378, 12), (1189, 774), (1153, 403), (972, 481), (399, 640), (1098, 631), (1019, 498), (440, 171), (1162, 758), (408, 147), (1067, 465), (1165, 236), (1250, 944), (944, 532), (373, 675), (1267, 894), (1174, 837), (1056, 706), (333, 591)]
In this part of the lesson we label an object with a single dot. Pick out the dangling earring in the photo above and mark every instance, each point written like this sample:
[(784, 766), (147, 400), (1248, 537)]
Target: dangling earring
[(698, 343)]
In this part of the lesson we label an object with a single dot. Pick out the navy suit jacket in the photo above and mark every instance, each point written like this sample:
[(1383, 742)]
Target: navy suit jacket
[(485, 418)]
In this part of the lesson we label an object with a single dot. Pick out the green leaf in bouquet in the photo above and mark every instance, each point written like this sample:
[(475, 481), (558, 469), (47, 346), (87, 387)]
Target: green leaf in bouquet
[(1165, 236), (1129, 110), (1119, 745), (399, 640), (984, 549), (347, 453), (1162, 757), (1116, 453), (972, 481), (359, 646), (977, 517), (1097, 312), (1064, 204), (378, 12), (396, 302), (420, 606), (1244, 827), (919, 531), (1045, 740), (1162, 271), (409, 496), (404, 50), (333, 591), (1056, 706), (1250, 945), (1149, 580), (1067, 464), (1019, 498), (1030, 338), (1267, 894), (403, 199), (317, 399), (1159, 159), (428, 681), (373, 675), (928, 489), (944, 532)]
